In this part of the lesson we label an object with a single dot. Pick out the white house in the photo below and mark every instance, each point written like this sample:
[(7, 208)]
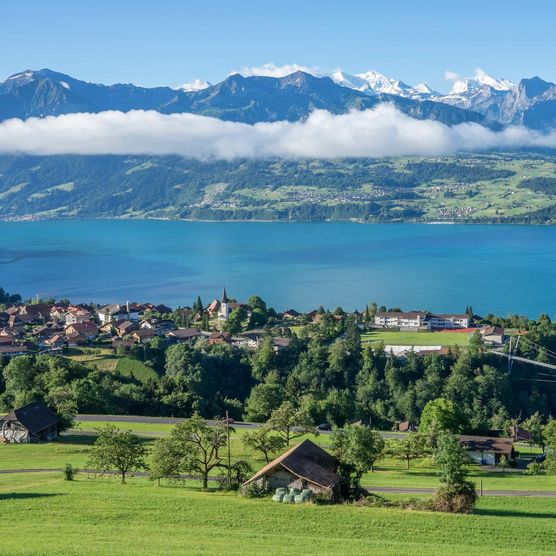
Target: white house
[(443, 321), (486, 450), (391, 319)]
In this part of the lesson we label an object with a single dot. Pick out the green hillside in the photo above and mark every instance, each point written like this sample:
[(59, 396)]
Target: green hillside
[(472, 188)]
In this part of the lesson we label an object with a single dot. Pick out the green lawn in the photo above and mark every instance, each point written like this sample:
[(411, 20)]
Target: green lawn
[(394, 338), (132, 367), (101, 516)]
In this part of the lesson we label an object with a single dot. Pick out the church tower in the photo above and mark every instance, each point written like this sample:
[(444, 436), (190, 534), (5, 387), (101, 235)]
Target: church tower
[(224, 312)]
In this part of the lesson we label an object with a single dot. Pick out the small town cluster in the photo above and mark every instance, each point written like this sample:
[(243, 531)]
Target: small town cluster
[(49, 327)]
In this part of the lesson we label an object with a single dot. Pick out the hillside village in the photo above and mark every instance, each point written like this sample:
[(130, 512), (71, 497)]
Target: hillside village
[(53, 326)]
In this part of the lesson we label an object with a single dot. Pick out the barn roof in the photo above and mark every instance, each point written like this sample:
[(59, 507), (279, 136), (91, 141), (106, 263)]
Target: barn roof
[(34, 416), (487, 444), (307, 461)]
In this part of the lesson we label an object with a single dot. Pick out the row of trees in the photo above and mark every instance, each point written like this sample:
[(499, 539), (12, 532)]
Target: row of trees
[(325, 373)]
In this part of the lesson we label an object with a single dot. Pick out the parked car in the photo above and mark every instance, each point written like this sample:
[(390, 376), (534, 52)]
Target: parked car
[(228, 421), (323, 427)]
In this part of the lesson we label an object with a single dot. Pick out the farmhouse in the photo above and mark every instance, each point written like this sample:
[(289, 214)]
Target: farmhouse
[(493, 335), (306, 465), (487, 450), (33, 422), (184, 335)]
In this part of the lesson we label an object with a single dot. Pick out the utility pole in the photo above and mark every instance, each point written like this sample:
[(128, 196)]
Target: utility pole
[(229, 453), (510, 356)]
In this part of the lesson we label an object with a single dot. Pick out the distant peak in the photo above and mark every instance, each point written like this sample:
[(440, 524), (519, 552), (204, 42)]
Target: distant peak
[(195, 85)]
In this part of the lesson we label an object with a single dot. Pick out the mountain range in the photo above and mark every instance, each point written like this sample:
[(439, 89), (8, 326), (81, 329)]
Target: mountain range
[(481, 99)]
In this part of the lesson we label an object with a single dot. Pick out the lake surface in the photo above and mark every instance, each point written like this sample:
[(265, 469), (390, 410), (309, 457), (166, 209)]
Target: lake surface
[(497, 269)]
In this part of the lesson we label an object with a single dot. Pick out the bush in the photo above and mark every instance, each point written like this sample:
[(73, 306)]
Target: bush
[(253, 490), (534, 468), (69, 472), (376, 501), (456, 498)]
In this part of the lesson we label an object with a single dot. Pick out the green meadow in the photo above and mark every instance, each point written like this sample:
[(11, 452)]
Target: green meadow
[(98, 515), (101, 516)]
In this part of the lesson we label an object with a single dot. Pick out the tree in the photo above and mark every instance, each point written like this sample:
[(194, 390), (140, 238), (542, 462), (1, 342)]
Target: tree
[(165, 460), (456, 494), (235, 321), (197, 445), (534, 424), (440, 415), (450, 456), (290, 422), (262, 440), (115, 449), (263, 399), (549, 436), (357, 449), (411, 447)]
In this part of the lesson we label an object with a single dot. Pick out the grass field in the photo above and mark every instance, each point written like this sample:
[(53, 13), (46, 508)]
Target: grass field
[(394, 338), (389, 472), (98, 515), (101, 516)]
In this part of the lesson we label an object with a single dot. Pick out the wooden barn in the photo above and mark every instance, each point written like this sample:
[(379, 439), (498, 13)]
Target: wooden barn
[(305, 466), (33, 422)]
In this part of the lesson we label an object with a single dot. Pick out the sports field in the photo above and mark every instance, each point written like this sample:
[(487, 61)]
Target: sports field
[(394, 338)]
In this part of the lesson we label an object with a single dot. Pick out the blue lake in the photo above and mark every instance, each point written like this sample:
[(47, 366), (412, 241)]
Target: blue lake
[(497, 269)]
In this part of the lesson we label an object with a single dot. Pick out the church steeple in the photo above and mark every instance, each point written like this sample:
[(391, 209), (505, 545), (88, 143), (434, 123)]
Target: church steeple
[(224, 311)]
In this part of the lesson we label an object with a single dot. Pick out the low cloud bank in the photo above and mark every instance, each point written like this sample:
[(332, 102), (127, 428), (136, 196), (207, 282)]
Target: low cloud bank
[(382, 131)]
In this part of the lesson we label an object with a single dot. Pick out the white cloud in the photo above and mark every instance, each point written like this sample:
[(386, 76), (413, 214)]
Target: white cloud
[(272, 70), (452, 76), (382, 131)]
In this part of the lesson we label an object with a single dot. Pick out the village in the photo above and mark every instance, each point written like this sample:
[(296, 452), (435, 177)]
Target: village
[(51, 327), (362, 408)]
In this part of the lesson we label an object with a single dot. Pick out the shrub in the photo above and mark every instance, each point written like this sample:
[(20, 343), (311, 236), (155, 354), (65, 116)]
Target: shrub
[(534, 468), (69, 472), (457, 498), (253, 490), (376, 501)]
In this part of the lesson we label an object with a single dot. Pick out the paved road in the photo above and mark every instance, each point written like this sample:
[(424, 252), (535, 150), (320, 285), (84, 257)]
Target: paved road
[(390, 490)]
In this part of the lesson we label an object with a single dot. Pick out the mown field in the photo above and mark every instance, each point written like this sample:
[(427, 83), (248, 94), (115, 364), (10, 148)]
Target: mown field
[(46, 515), (98, 515), (394, 338)]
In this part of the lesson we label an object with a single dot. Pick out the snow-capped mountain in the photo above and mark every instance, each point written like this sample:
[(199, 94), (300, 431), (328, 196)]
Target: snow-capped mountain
[(196, 85), (481, 98)]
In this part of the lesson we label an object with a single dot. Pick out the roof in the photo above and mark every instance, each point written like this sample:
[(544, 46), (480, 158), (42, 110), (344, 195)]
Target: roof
[(224, 296), (487, 444), (401, 314), (488, 330), (448, 316), (519, 433), (35, 417), (307, 461), (185, 333)]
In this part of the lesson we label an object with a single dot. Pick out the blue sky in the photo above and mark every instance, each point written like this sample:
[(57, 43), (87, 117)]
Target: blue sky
[(169, 42)]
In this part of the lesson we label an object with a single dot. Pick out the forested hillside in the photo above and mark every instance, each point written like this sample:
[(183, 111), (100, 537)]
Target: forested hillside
[(479, 188)]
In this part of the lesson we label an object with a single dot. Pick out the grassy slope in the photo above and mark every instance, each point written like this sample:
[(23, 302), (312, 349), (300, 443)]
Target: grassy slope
[(100, 516)]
